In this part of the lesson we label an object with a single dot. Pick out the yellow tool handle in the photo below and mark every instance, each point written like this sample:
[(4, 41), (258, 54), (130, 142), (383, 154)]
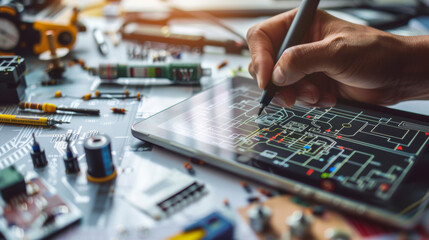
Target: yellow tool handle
[(196, 234), (45, 107), (25, 120)]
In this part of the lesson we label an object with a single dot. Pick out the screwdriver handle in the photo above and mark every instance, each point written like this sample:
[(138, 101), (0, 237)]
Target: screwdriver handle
[(45, 107)]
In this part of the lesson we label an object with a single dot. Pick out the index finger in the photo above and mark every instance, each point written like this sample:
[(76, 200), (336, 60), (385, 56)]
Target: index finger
[(264, 39)]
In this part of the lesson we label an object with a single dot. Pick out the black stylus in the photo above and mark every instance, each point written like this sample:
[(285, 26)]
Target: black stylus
[(299, 27)]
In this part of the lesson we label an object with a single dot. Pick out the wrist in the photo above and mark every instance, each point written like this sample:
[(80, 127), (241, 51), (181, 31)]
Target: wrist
[(415, 67)]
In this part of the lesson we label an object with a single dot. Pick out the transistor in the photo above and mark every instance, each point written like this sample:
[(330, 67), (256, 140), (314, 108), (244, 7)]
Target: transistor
[(70, 161), (99, 159), (38, 155), (177, 73)]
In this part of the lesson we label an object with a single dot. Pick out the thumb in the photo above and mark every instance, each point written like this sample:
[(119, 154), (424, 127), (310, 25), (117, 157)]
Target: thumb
[(301, 60)]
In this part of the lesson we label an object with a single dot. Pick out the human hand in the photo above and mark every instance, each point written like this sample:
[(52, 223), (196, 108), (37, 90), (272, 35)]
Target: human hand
[(338, 59)]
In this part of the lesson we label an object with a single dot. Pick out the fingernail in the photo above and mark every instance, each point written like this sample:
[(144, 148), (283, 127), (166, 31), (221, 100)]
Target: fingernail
[(278, 77)]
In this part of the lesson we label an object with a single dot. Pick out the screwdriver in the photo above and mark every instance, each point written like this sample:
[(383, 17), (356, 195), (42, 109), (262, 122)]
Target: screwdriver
[(51, 108), (29, 120)]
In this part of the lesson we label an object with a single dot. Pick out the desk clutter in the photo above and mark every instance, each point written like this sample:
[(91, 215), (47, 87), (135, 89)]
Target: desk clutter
[(70, 168)]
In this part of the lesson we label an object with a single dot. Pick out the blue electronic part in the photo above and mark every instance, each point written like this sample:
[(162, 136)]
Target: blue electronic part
[(38, 155), (216, 227)]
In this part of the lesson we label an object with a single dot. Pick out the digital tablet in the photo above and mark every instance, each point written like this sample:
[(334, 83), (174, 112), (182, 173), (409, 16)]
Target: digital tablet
[(363, 159)]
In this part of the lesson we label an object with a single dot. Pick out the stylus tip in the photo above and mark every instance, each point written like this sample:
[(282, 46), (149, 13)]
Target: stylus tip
[(261, 108)]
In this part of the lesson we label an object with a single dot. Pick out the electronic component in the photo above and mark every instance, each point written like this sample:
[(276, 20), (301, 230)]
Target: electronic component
[(266, 192), (38, 214), (70, 161), (29, 120), (283, 207), (189, 168), (299, 226), (100, 40), (51, 108), (12, 184), (56, 67), (12, 79), (38, 155), (97, 93), (99, 159), (136, 52), (167, 195), (119, 110), (318, 210), (259, 217), (246, 187), (215, 226), (178, 73), (111, 95), (222, 64)]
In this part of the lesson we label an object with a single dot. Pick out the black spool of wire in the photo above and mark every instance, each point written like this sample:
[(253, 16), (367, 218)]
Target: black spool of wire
[(99, 159)]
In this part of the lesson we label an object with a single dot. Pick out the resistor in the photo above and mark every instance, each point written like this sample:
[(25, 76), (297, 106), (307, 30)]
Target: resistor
[(246, 187), (226, 202), (119, 110), (189, 167), (222, 64)]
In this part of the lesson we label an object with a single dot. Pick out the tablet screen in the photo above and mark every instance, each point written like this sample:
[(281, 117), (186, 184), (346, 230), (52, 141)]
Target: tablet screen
[(360, 151)]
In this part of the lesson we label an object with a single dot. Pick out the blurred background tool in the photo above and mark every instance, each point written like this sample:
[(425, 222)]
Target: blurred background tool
[(51, 108), (178, 73), (56, 67), (214, 226), (100, 40), (12, 79), (23, 26), (29, 120)]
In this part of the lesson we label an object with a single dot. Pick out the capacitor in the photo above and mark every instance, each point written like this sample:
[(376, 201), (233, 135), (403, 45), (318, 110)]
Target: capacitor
[(99, 159), (38, 155), (259, 217), (299, 226), (70, 160)]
